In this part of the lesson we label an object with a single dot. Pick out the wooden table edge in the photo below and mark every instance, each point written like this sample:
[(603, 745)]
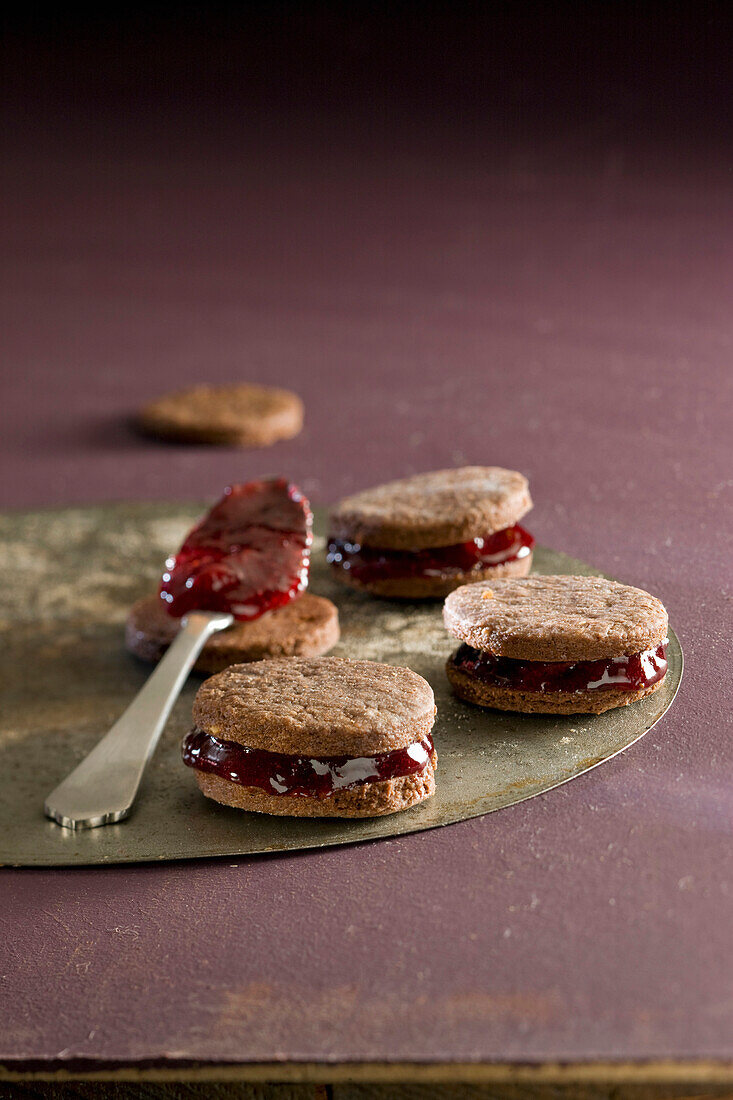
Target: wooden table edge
[(677, 1072)]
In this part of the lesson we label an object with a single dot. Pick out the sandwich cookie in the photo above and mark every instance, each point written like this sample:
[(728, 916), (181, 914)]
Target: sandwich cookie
[(423, 536), (306, 627), (556, 645), (236, 416), (314, 737)]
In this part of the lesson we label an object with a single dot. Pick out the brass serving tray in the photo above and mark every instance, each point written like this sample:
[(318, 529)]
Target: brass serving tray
[(70, 577)]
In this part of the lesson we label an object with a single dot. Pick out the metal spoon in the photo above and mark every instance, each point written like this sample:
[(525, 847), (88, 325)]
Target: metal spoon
[(102, 788)]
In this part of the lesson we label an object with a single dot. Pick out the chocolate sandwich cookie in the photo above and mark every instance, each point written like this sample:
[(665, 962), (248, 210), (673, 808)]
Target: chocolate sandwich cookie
[(314, 737), (238, 416), (306, 627), (423, 536), (556, 645)]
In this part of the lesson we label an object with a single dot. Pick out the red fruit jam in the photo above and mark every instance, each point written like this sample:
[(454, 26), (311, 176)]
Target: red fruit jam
[(299, 776), (250, 554), (640, 670), (370, 563)]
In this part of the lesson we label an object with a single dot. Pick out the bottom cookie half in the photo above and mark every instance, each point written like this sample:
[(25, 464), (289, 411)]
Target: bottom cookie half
[(367, 800), (481, 694), (433, 587), (306, 627)]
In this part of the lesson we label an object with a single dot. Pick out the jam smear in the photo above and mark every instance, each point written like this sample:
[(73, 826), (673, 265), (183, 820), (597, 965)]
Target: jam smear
[(640, 670), (299, 776), (371, 563), (249, 554)]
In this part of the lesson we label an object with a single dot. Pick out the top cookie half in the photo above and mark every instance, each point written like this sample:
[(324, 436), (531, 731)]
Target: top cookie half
[(441, 508), (555, 618), (320, 706)]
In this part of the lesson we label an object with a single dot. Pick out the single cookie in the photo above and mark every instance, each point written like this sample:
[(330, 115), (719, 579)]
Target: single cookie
[(555, 645), (242, 415), (423, 536), (314, 737), (306, 627)]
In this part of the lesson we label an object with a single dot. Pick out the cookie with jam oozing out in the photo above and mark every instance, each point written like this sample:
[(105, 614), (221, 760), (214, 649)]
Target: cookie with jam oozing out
[(314, 737), (556, 644), (423, 536)]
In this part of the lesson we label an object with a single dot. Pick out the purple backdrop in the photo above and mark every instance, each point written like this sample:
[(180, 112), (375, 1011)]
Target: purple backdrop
[(440, 292)]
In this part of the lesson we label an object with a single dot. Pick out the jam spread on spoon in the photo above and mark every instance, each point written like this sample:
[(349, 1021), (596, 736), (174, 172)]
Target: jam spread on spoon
[(249, 555), (371, 563), (299, 776), (640, 670)]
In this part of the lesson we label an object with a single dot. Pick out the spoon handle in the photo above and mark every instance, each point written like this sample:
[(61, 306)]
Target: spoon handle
[(102, 788)]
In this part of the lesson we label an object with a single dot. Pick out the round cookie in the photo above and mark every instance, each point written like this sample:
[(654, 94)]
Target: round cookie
[(306, 627), (555, 644), (441, 508), (360, 730), (243, 415), (423, 536)]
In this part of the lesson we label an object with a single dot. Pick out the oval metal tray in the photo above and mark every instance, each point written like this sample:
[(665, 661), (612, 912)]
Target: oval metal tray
[(71, 576)]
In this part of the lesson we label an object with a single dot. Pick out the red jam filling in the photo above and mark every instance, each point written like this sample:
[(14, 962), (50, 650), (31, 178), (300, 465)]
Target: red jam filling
[(371, 563), (640, 670), (299, 776), (249, 555)]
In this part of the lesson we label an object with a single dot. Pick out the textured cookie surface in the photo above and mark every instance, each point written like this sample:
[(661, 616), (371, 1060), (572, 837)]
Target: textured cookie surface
[(322, 706), (435, 509), (240, 415), (367, 800), (433, 588), (307, 627), (555, 618), (475, 691)]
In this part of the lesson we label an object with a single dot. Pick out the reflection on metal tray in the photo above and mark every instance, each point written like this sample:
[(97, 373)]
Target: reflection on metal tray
[(73, 574)]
